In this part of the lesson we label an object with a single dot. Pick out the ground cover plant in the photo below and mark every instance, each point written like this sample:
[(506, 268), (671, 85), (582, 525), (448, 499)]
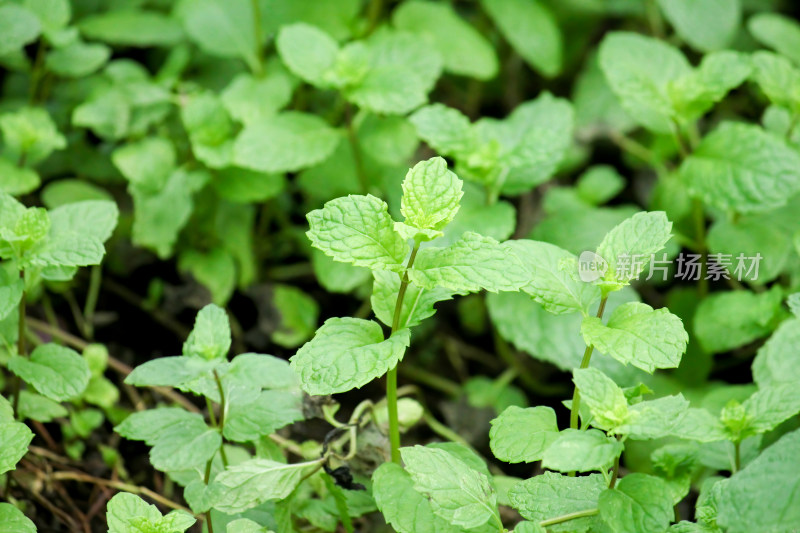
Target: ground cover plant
[(415, 266)]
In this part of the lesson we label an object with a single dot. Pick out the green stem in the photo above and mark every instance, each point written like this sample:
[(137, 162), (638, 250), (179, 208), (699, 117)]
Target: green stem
[(373, 16), (615, 473), (699, 216), (91, 301), (21, 343), (737, 456), (258, 68), (391, 376), (222, 408), (567, 517), (587, 356), (359, 162)]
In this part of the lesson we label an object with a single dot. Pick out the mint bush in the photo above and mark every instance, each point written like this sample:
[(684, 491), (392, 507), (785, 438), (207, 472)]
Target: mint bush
[(422, 266)]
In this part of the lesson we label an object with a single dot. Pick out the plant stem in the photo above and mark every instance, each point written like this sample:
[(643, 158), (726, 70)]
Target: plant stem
[(391, 376), (91, 301), (21, 342), (587, 356), (567, 517), (222, 409), (698, 214), (257, 34), (359, 162), (737, 456), (615, 473)]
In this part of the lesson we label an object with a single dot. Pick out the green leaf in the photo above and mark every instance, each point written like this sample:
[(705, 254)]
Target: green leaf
[(147, 163), (272, 410), (581, 451), (599, 184), (388, 139), (628, 248), (55, 371), (639, 335), (249, 99), (17, 181), (298, 316), (523, 435), (554, 277), (707, 25), (604, 398), (532, 30), (53, 14), (338, 277), (775, 361), (778, 32), (39, 408), (286, 142), (658, 418), (695, 93), (596, 105), (727, 320), (15, 437), (308, 51), (418, 303), (89, 218), (29, 134), (253, 482), (764, 495), (185, 446), (222, 28), (445, 129), (639, 70), (215, 270), (404, 508), (358, 230), (770, 406), (742, 168), (77, 59), (11, 519), (211, 336), (18, 27), (431, 195), (464, 50), (458, 493), (244, 525), (11, 288), (638, 503), (470, 264), (246, 186), (550, 495), (209, 128), (106, 113), (148, 425), (132, 28), (778, 78), (127, 513), (347, 353), (402, 70)]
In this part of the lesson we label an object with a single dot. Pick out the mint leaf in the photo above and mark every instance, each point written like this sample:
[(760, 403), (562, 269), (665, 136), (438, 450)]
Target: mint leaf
[(523, 435), (639, 335), (581, 451), (358, 230), (532, 30), (298, 316), (554, 277), (470, 264), (654, 419), (741, 502), (90, 218), (730, 319), (170, 371), (132, 28), (459, 494), (775, 362), (17, 181), (148, 425), (222, 28), (18, 27), (12, 520), (55, 371), (628, 248), (404, 508), (639, 70), (770, 406), (464, 50), (147, 163), (707, 25), (272, 410), (250, 99), (599, 184), (550, 495), (445, 129), (251, 483), (11, 288), (15, 437), (185, 446), (347, 353), (210, 129), (308, 51), (605, 400), (29, 134), (418, 303), (638, 503), (286, 142), (431, 195), (778, 32), (778, 78), (77, 59), (211, 336), (128, 513), (759, 174)]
